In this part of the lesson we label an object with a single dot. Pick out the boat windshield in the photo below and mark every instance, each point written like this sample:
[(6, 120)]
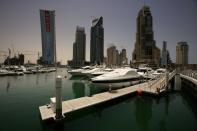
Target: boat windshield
[(108, 70), (160, 71), (87, 68), (141, 70), (131, 73)]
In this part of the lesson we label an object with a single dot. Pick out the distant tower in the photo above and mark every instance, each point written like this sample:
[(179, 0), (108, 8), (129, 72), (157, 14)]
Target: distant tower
[(79, 47), (111, 56), (182, 53), (47, 21), (164, 61), (97, 41), (124, 57), (117, 58), (145, 50)]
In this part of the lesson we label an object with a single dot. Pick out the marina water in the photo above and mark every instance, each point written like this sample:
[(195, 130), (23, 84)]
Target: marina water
[(20, 97)]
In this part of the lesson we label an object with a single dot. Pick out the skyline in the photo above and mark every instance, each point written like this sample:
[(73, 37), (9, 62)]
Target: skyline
[(173, 25)]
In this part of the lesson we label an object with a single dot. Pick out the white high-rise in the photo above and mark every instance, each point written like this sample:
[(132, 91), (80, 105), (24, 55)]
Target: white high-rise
[(182, 53)]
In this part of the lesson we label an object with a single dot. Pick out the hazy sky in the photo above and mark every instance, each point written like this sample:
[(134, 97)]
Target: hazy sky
[(173, 21)]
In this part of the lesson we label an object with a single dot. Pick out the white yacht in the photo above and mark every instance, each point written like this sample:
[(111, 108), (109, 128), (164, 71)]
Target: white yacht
[(102, 71), (145, 72), (78, 72), (121, 77), (3, 72), (90, 72), (159, 71)]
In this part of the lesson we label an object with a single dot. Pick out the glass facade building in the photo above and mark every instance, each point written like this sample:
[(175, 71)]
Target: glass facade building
[(97, 41), (47, 21)]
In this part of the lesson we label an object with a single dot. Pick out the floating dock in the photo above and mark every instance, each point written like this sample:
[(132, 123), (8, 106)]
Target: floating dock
[(152, 87)]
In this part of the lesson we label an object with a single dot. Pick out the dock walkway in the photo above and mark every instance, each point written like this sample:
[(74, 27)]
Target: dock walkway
[(84, 102)]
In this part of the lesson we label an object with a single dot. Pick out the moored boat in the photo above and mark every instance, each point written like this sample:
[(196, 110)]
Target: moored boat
[(121, 77), (78, 72)]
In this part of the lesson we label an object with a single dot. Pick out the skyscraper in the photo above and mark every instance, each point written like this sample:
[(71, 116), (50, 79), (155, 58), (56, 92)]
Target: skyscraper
[(145, 50), (47, 21), (116, 58), (123, 58), (164, 54), (97, 41), (182, 53), (112, 56), (79, 46)]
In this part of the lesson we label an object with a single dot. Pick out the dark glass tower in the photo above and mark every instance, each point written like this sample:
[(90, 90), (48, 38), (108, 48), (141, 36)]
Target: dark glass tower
[(79, 45), (97, 41), (145, 48)]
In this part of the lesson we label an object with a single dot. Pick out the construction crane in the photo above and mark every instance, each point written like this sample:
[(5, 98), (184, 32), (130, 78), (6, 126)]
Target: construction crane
[(93, 17), (30, 53)]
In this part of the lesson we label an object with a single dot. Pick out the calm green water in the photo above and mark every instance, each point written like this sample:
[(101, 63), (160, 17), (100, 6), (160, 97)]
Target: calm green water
[(21, 96)]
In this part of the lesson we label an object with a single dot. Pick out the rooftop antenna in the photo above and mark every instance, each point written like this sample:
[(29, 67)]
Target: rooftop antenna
[(13, 50), (93, 17), (9, 51), (144, 2)]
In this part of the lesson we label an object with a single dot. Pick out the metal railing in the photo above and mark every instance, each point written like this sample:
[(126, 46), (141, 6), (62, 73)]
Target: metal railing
[(172, 74), (160, 82), (190, 73)]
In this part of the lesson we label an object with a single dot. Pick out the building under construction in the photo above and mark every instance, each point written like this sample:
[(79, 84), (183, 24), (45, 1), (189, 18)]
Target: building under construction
[(16, 60)]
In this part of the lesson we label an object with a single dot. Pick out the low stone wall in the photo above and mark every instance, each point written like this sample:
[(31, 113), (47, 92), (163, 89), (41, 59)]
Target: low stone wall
[(189, 87)]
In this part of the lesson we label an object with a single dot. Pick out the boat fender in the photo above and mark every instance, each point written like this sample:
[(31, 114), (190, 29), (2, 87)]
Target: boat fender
[(139, 92)]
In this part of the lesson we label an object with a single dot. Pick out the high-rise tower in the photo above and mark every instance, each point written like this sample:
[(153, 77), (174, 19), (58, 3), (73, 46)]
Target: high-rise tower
[(97, 41), (79, 46), (164, 61), (47, 21), (112, 56), (145, 50), (182, 53)]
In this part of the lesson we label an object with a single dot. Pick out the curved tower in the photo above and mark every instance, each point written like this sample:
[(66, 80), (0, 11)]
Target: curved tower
[(47, 21)]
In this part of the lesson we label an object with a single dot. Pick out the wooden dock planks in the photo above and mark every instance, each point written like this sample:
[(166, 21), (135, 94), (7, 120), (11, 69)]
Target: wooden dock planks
[(83, 102), (46, 113)]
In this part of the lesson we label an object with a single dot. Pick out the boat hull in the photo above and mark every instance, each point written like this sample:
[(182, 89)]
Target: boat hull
[(116, 84)]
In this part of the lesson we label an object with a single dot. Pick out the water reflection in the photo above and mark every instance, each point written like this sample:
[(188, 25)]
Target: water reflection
[(94, 89), (78, 89), (162, 125), (55, 126), (8, 85), (167, 104), (37, 79), (78, 78), (143, 112), (59, 127), (190, 103), (46, 77)]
